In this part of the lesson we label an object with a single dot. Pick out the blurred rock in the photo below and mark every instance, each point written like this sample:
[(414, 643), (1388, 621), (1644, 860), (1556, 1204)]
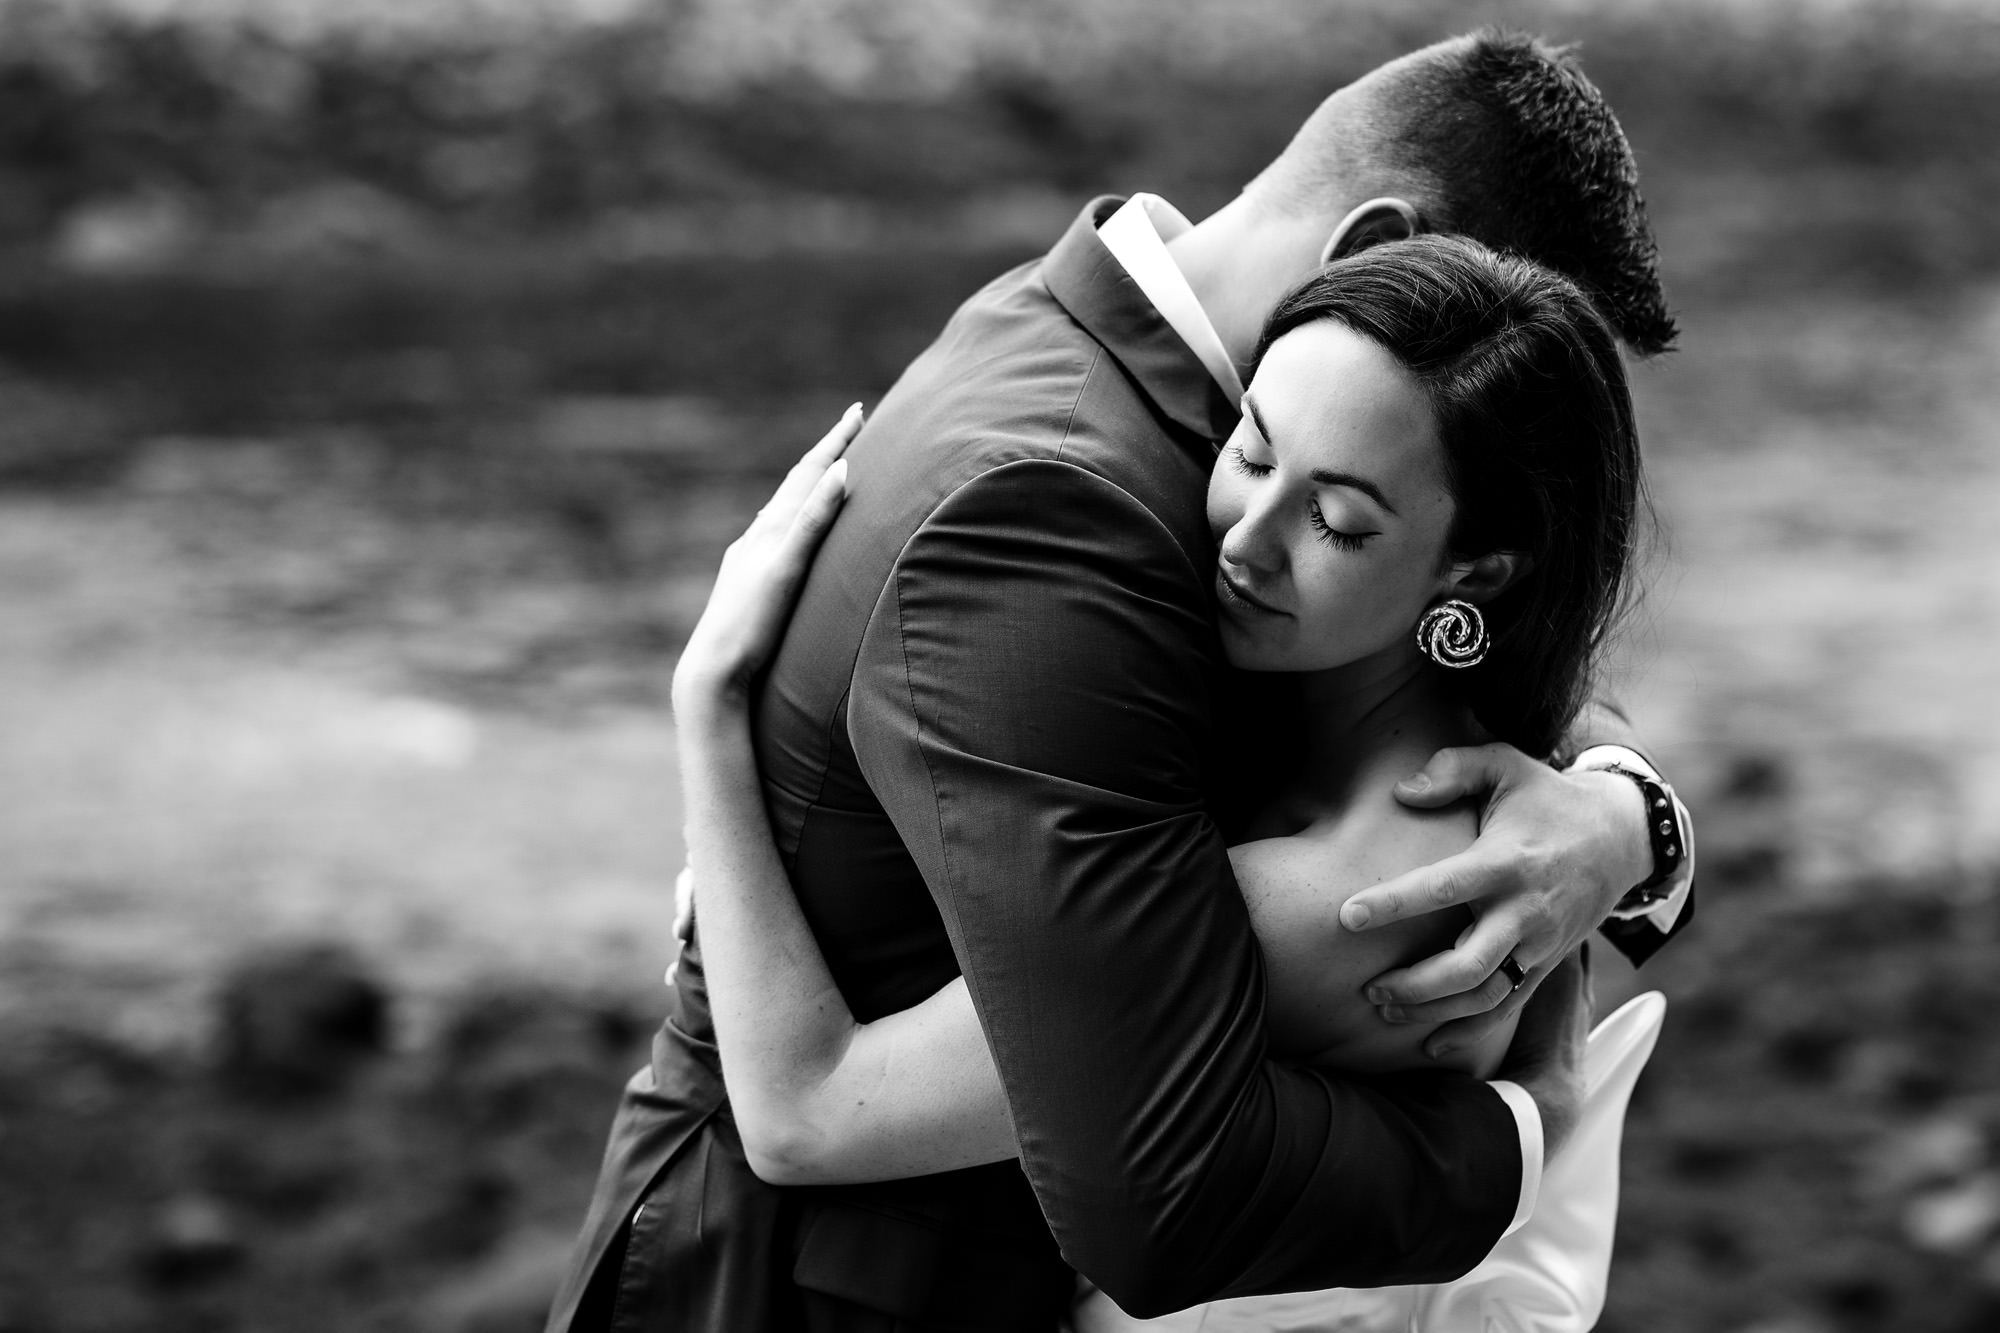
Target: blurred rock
[(338, 219), (1789, 1323), (297, 1019), (127, 234), (1989, 1268), (1878, 810), (1861, 1299), (1747, 827), (47, 434), (1891, 1070), (194, 1240), (89, 1073), (1710, 1158), (509, 1055), (461, 1217), (1751, 777), (1946, 1148), (1809, 1051), (1956, 1219)]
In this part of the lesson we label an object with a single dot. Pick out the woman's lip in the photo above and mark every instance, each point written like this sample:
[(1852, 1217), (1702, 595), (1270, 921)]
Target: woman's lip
[(1232, 589)]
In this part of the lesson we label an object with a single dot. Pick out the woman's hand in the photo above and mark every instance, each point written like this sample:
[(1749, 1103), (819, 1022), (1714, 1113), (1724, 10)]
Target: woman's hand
[(760, 578)]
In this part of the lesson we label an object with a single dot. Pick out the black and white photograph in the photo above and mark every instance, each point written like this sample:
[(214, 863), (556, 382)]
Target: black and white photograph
[(999, 666)]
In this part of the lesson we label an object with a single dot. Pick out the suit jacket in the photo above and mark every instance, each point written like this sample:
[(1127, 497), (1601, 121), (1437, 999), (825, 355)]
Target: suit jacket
[(988, 744)]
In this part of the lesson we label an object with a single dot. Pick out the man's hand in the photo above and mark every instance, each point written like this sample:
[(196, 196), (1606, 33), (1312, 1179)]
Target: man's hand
[(1555, 853), (1546, 1056)]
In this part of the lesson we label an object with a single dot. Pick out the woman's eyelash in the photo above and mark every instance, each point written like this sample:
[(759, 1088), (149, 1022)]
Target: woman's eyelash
[(1332, 536), (1244, 465)]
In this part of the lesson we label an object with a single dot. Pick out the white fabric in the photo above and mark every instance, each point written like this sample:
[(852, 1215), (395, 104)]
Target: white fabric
[(1137, 236), (1528, 1123), (1677, 886), (1547, 1277)]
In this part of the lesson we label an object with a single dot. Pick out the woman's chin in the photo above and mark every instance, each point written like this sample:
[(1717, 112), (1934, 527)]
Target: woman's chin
[(1248, 652)]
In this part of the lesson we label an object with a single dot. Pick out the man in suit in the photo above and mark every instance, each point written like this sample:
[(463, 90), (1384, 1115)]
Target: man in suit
[(989, 745)]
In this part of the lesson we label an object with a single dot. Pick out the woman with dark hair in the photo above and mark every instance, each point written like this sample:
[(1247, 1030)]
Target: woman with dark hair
[(1424, 523)]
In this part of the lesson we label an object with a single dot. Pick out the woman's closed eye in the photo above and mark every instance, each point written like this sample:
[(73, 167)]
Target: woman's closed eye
[(1332, 536), (1241, 462), (1240, 459)]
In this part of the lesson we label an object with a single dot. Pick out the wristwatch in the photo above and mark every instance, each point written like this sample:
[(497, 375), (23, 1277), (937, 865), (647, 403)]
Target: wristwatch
[(1667, 827), (1664, 831)]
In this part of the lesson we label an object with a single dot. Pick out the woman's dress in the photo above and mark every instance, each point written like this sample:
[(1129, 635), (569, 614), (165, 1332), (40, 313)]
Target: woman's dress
[(1547, 1277)]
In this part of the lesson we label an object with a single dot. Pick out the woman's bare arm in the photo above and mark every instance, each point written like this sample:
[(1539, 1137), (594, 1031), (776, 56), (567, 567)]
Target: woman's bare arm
[(818, 1098)]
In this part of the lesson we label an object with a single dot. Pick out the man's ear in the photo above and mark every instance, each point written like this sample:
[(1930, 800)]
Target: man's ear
[(1485, 578), (1378, 220)]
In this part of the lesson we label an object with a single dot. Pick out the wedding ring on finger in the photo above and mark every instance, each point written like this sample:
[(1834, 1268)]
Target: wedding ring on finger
[(1514, 972)]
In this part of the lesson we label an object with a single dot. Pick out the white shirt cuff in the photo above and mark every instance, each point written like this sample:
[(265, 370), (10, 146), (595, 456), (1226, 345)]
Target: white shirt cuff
[(1528, 1119), (1665, 910)]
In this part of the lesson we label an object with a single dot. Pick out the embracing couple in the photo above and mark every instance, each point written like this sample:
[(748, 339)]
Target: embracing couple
[(1071, 945)]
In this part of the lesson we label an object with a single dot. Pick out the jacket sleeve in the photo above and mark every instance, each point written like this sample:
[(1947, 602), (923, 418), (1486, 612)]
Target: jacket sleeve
[(1031, 704)]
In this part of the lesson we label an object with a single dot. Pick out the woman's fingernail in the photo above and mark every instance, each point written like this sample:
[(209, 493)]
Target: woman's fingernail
[(1439, 1050), (1354, 915), (854, 410), (1395, 1013), (1376, 995), (1417, 784), (839, 473)]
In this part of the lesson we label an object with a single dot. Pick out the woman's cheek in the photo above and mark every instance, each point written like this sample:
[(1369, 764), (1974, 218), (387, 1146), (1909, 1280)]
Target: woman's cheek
[(1325, 597), (1224, 505), (1355, 601)]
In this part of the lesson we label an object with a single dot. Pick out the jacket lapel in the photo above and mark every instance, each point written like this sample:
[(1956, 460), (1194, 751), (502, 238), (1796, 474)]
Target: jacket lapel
[(1094, 288)]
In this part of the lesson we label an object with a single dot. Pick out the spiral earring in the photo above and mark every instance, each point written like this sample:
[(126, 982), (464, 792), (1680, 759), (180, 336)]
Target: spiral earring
[(1453, 634)]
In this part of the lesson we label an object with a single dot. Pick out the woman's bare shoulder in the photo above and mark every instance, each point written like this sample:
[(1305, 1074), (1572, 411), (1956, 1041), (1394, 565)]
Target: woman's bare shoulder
[(1316, 969), (1372, 839)]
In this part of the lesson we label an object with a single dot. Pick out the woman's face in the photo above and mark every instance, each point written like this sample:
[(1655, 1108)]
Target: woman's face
[(1329, 507)]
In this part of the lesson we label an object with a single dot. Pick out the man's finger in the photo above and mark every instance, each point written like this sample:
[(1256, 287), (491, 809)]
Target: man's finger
[(1454, 774), (1555, 1016), (1461, 1033), (1459, 879), (1480, 999), (1476, 957)]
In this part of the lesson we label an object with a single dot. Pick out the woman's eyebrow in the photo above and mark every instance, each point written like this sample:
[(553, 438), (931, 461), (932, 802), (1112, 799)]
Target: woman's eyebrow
[(1324, 476), (1327, 477), (1256, 417)]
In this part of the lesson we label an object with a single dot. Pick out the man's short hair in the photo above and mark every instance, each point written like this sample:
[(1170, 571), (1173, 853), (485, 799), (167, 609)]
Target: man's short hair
[(1499, 136)]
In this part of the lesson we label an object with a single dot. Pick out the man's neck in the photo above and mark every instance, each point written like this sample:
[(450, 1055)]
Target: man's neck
[(1239, 264)]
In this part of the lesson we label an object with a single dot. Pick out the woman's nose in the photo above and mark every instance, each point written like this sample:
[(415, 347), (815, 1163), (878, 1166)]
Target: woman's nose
[(1253, 541)]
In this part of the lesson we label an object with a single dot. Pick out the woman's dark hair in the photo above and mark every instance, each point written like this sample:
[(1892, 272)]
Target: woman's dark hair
[(1532, 409)]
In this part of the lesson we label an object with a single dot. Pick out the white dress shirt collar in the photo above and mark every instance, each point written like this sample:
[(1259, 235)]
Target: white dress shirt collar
[(1137, 236)]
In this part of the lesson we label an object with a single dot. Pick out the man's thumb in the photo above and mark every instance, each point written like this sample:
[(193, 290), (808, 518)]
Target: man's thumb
[(1451, 775), (1436, 783)]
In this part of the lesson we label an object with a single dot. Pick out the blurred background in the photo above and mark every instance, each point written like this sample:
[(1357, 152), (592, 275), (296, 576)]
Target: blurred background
[(379, 382)]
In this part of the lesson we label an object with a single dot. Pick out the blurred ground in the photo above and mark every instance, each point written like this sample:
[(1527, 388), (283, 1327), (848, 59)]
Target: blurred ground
[(369, 426)]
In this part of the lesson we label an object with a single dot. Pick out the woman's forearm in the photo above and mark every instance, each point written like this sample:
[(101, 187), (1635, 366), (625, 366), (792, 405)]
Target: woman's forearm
[(818, 1098), (759, 959)]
